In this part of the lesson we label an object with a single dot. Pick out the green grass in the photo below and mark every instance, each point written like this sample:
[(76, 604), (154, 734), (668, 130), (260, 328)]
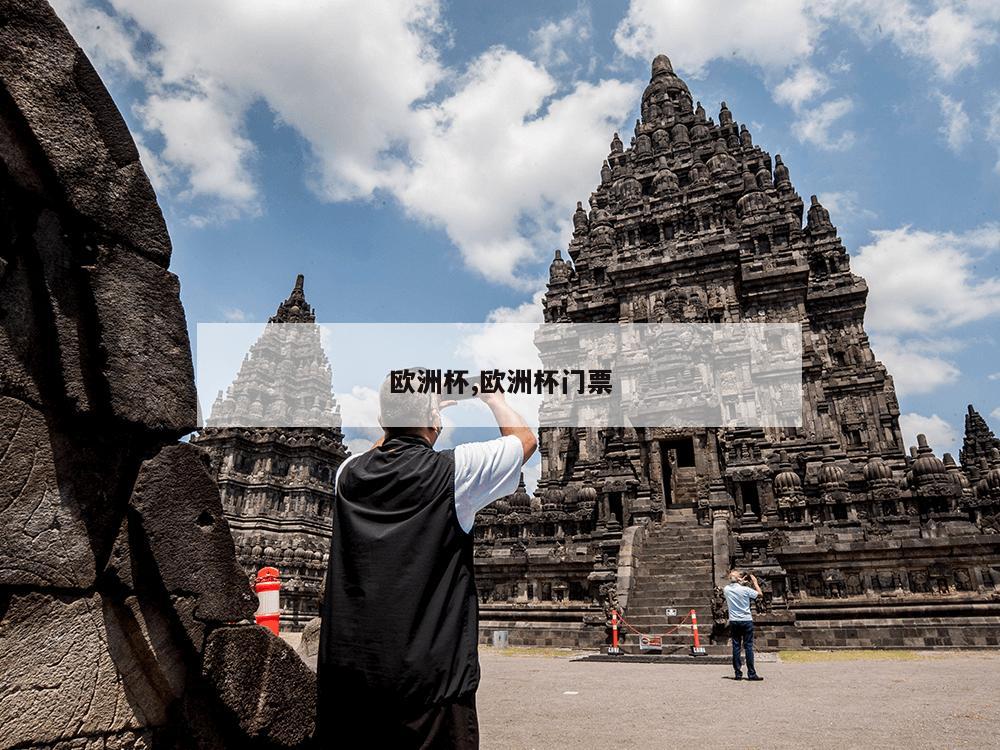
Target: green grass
[(809, 657)]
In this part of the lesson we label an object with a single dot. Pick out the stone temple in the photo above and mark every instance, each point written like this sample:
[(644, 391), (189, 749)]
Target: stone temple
[(857, 540), (276, 483)]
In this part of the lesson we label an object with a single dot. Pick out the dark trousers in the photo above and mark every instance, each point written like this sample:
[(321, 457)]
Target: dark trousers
[(742, 634), (451, 725)]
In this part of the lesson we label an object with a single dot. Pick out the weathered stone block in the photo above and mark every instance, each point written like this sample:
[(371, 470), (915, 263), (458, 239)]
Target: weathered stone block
[(309, 644), (119, 568), (57, 679), (138, 354), (176, 504), (45, 539), (263, 682), (77, 126), (44, 346), (143, 335), (149, 658)]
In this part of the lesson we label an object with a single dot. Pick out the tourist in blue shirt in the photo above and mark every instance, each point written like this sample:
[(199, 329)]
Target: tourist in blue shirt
[(738, 597)]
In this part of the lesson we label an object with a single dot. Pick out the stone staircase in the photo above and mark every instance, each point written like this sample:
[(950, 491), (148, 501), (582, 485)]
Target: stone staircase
[(686, 485), (674, 570)]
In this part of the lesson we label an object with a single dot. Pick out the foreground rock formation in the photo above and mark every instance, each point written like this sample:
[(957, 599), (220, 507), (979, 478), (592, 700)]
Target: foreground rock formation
[(125, 620)]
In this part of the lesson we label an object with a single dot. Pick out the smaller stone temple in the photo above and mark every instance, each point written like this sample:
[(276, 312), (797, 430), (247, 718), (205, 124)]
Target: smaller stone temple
[(978, 446), (276, 483)]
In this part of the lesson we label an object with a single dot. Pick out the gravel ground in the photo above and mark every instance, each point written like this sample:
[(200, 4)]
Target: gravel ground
[(894, 700)]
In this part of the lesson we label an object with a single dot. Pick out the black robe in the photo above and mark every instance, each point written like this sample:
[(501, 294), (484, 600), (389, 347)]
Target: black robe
[(400, 611)]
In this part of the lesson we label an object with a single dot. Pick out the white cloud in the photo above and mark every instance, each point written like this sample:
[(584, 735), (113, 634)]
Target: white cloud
[(359, 410), (499, 163), (941, 436), (358, 445), (159, 174), (923, 281), (507, 336), (916, 366), (202, 139), (845, 203), (814, 125), (993, 376), (803, 85), (769, 33), (778, 35), (995, 413), (532, 473), (235, 315), (526, 312), (840, 64), (956, 127), (495, 155), (107, 40), (924, 284), (951, 37), (993, 125), (553, 41), (344, 75)]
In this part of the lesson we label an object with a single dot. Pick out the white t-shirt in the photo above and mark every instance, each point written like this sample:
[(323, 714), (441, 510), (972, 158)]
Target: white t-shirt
[(484, 472)]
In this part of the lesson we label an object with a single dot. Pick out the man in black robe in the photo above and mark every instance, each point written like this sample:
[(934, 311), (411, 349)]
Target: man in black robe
[(398, 659)]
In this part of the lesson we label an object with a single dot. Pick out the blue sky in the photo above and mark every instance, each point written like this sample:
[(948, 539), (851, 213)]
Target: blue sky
[(421, 161)]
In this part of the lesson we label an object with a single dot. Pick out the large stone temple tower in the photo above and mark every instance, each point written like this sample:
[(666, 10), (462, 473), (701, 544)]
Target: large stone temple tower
[(692, 222), (277, 482)]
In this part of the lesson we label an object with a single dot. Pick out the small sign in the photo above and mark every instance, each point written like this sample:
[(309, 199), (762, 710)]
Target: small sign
[(671, 612), (651, 643)]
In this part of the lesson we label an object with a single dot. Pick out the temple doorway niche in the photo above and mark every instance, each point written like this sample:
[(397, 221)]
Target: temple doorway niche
[(615, 507), (751, 497), (677, 464)]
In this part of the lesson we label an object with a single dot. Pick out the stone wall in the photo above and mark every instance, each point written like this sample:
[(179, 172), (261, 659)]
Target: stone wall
[(125, 620), (569, 627)]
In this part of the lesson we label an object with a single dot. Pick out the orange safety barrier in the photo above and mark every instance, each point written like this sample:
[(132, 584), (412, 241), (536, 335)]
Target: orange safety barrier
[(614, 633), (268, 588), (697, 649), (618, 619)]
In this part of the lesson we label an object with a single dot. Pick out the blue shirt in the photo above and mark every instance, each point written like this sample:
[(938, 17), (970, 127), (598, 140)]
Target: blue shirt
[(738, 597)]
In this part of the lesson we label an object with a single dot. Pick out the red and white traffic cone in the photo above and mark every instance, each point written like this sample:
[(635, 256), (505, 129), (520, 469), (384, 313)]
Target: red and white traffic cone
[(614, 650), (697, 649), (268, 588)]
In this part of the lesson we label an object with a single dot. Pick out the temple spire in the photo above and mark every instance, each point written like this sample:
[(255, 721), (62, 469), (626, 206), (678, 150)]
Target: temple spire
[(295, 309), (978, 443)]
